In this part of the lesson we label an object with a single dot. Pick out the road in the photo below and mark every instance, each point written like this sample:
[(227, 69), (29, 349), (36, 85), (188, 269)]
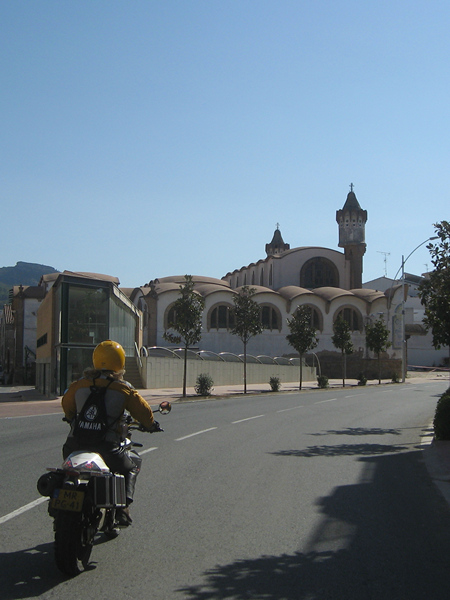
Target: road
[(319, 495)]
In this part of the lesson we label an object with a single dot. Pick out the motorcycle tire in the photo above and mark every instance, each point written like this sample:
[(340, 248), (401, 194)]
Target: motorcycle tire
[(72, 550)]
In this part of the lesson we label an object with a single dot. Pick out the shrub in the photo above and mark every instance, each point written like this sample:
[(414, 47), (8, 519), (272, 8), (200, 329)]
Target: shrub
[(204, 385), (441, 422), (322, 381), (275, 384), (362, 379), (395, 378)]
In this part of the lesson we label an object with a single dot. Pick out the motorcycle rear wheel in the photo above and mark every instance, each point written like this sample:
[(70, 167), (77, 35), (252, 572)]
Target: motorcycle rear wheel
[(72, 549)]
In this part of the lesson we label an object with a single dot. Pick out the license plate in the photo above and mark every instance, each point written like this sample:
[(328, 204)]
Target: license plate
[(67, 500)]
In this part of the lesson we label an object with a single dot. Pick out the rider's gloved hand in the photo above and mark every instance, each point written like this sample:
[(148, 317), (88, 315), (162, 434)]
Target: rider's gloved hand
[(155, 427)]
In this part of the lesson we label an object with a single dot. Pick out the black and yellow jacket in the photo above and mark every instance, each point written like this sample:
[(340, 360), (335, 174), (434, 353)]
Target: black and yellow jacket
[(120, 396)]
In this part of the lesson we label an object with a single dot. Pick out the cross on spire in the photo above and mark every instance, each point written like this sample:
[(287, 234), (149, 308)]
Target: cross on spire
[(351, 187)]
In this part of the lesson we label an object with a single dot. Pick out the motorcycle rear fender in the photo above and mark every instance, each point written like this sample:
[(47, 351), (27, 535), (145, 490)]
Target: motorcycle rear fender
[(85, 462)]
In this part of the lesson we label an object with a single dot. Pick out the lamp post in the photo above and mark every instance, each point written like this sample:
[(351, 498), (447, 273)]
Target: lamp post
[(404, 365)]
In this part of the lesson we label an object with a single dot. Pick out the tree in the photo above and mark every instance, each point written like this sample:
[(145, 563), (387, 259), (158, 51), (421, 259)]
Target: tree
[(377, 336), (247, 320), (187, 321), (303, 335), (434, 292), (342, 339)]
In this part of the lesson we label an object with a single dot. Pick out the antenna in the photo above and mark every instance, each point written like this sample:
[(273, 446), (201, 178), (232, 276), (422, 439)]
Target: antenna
[(386, 254)]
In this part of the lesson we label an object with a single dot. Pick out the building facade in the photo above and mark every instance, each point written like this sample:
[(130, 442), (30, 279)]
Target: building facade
[(18, 324), (79, 311)]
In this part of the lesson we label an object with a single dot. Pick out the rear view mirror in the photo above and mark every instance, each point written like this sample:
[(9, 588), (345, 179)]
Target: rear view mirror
[(165, 407)]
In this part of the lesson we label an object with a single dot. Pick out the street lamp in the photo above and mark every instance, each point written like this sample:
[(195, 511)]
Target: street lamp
[(404, 365)]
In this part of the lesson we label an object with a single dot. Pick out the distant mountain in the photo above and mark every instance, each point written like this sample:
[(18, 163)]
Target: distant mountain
[(22, 274)]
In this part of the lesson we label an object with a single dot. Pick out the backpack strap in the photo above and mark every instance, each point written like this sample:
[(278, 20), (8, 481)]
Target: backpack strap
[(103, 389)]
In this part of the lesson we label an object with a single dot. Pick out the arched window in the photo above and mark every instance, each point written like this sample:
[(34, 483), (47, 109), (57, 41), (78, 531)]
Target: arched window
[(316, 317), (352, 317), (261, 279), (270, 318), (171, 317), (319, 272), (271, 275), (221, 317)]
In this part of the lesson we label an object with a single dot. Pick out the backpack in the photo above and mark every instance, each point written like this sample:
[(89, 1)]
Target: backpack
[(91, 423)]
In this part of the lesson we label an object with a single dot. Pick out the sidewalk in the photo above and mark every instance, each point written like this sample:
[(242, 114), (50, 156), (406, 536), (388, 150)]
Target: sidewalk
[(26, 400), (154, 396)]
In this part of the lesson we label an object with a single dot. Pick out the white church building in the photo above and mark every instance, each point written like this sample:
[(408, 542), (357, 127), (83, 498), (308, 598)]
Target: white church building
[(328, 281)]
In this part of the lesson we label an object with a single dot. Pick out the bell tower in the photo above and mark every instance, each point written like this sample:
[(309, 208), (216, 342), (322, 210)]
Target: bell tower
[(277, 245), (352, 236)]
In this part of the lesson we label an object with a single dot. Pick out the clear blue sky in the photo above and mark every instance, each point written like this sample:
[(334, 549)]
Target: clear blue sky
[(150, 138)]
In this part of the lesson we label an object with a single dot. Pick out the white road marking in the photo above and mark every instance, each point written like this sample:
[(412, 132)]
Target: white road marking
[(148, 450), (293, 408), (323, 401), (248, 419), (196, 433), (19, 511)]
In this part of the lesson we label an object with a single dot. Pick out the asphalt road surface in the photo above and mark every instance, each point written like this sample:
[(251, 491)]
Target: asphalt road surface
[(319, 495)]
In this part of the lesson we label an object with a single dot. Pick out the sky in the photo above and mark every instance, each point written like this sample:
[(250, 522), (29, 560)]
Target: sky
[(149, 138)]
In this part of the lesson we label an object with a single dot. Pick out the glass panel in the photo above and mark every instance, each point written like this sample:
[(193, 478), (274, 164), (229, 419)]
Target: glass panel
[(172, 317), (319, 272), (78, 359), (87, 315), (214, 319), (274, 316), (223, 310), (265, 317), (351, 316), (122, 325)]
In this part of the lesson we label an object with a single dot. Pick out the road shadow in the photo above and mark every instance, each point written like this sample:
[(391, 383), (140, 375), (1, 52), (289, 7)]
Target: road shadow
[(31, 572), (358, 431), (386, 537), (342, 450), (28, 573)]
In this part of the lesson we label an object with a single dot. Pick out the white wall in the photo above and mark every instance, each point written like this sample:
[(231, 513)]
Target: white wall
[(160, 372), (274, 343)]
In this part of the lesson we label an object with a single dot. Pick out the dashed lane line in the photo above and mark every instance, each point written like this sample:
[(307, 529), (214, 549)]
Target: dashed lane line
[(324, 401), (22, 509), (248, 419), (185, 437), (141, 452)]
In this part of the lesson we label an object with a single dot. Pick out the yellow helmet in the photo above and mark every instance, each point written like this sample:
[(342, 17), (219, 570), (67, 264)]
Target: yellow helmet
[(109, 356)]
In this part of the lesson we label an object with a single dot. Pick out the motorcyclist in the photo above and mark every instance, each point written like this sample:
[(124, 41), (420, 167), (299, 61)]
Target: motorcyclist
[(108, 369)]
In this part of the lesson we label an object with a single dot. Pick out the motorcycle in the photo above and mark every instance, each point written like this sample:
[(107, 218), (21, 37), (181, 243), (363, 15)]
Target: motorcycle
[(84, 496)]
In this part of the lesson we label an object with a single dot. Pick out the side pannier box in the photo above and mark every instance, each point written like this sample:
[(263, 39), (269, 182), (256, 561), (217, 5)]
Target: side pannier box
[(109, 490)]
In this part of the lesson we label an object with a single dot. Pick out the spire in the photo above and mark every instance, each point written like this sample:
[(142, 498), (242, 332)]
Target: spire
[(277, 245), (351, 203)]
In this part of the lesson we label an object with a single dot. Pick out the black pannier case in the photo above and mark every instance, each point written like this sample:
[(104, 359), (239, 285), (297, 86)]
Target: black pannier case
[(109, 490)]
